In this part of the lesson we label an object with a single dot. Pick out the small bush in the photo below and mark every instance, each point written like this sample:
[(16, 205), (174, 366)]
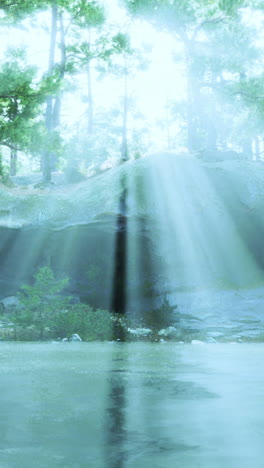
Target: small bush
[(89, 323), (4, 176), (160, 317), (46, 314), (41, 302)]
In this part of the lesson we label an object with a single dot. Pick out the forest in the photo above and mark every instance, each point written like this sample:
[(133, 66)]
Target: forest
[(84, 85), (131, 233)]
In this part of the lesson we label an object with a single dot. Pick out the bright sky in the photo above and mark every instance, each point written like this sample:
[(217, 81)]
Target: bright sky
[(162, 80)]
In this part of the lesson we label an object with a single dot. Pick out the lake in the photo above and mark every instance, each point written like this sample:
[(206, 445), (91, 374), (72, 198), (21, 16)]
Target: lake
[(124, 405)]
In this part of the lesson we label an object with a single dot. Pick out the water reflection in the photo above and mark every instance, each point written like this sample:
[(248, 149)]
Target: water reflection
[(139, 417), (116, 435), (117, 404), (131, 405)]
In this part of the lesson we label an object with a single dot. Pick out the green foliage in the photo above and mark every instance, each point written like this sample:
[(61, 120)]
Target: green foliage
[(2, 167), (214, 38), (82, 53), (121, 43), (45, 313), (89, 323), (4, 173), (41, 301), (87, 14), (181, 13), (162, 316), (230, 7), (20, 102), (16, 10)]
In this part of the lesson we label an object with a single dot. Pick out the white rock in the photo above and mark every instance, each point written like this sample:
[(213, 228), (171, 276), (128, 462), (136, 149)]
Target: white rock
[(167, 331), (210, 339), (75, 337), (140, 331), (64, 340), (198, 342)]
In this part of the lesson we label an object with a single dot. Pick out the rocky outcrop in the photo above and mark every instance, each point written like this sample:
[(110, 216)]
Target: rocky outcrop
[(193, 224), (9, 303)]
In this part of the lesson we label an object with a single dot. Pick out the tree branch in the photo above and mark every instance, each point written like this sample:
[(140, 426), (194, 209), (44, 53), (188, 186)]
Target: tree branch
[(10, 145), (18, 96), (218, 19)]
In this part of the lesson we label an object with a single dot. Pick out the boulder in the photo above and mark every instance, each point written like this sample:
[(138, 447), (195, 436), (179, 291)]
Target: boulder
[(75, 337), (10, 302), (210, 339), (168, 332), (140, 331), (193, 224)]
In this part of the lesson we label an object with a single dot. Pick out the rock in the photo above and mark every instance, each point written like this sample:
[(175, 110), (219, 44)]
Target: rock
[(169, 331), (64, 340), (217, 155), (214, 334), (75, 337), (197, 342), (140, 331), (83, 217), (210, 339), (10, 302)]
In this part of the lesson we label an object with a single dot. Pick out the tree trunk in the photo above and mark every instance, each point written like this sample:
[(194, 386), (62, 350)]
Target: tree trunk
[(124, 148), (90, 99), (211, 134), (89, 90), (46, 159), (13, 151), (193, 97), (210, 123), (13, 162), (191, 116), (168, 130), (257, 149), (247, 149), (56, 110), (57, 104)]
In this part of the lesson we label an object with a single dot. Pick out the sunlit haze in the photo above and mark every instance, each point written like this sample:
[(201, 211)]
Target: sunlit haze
[(162, 80), (131, 233)]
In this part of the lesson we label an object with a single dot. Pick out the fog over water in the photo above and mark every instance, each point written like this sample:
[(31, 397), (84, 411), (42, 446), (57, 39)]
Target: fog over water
[(131, 405)]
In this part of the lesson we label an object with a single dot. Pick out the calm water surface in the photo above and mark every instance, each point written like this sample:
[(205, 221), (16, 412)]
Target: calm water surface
[(115, 405)]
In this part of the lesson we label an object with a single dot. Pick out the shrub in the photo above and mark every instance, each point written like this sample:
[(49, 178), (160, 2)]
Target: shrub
[(41, 301), (47, 314), (89, 323), (4, 177)]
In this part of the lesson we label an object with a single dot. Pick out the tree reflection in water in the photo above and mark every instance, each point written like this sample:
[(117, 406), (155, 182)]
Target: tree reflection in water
[(116, 434)]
